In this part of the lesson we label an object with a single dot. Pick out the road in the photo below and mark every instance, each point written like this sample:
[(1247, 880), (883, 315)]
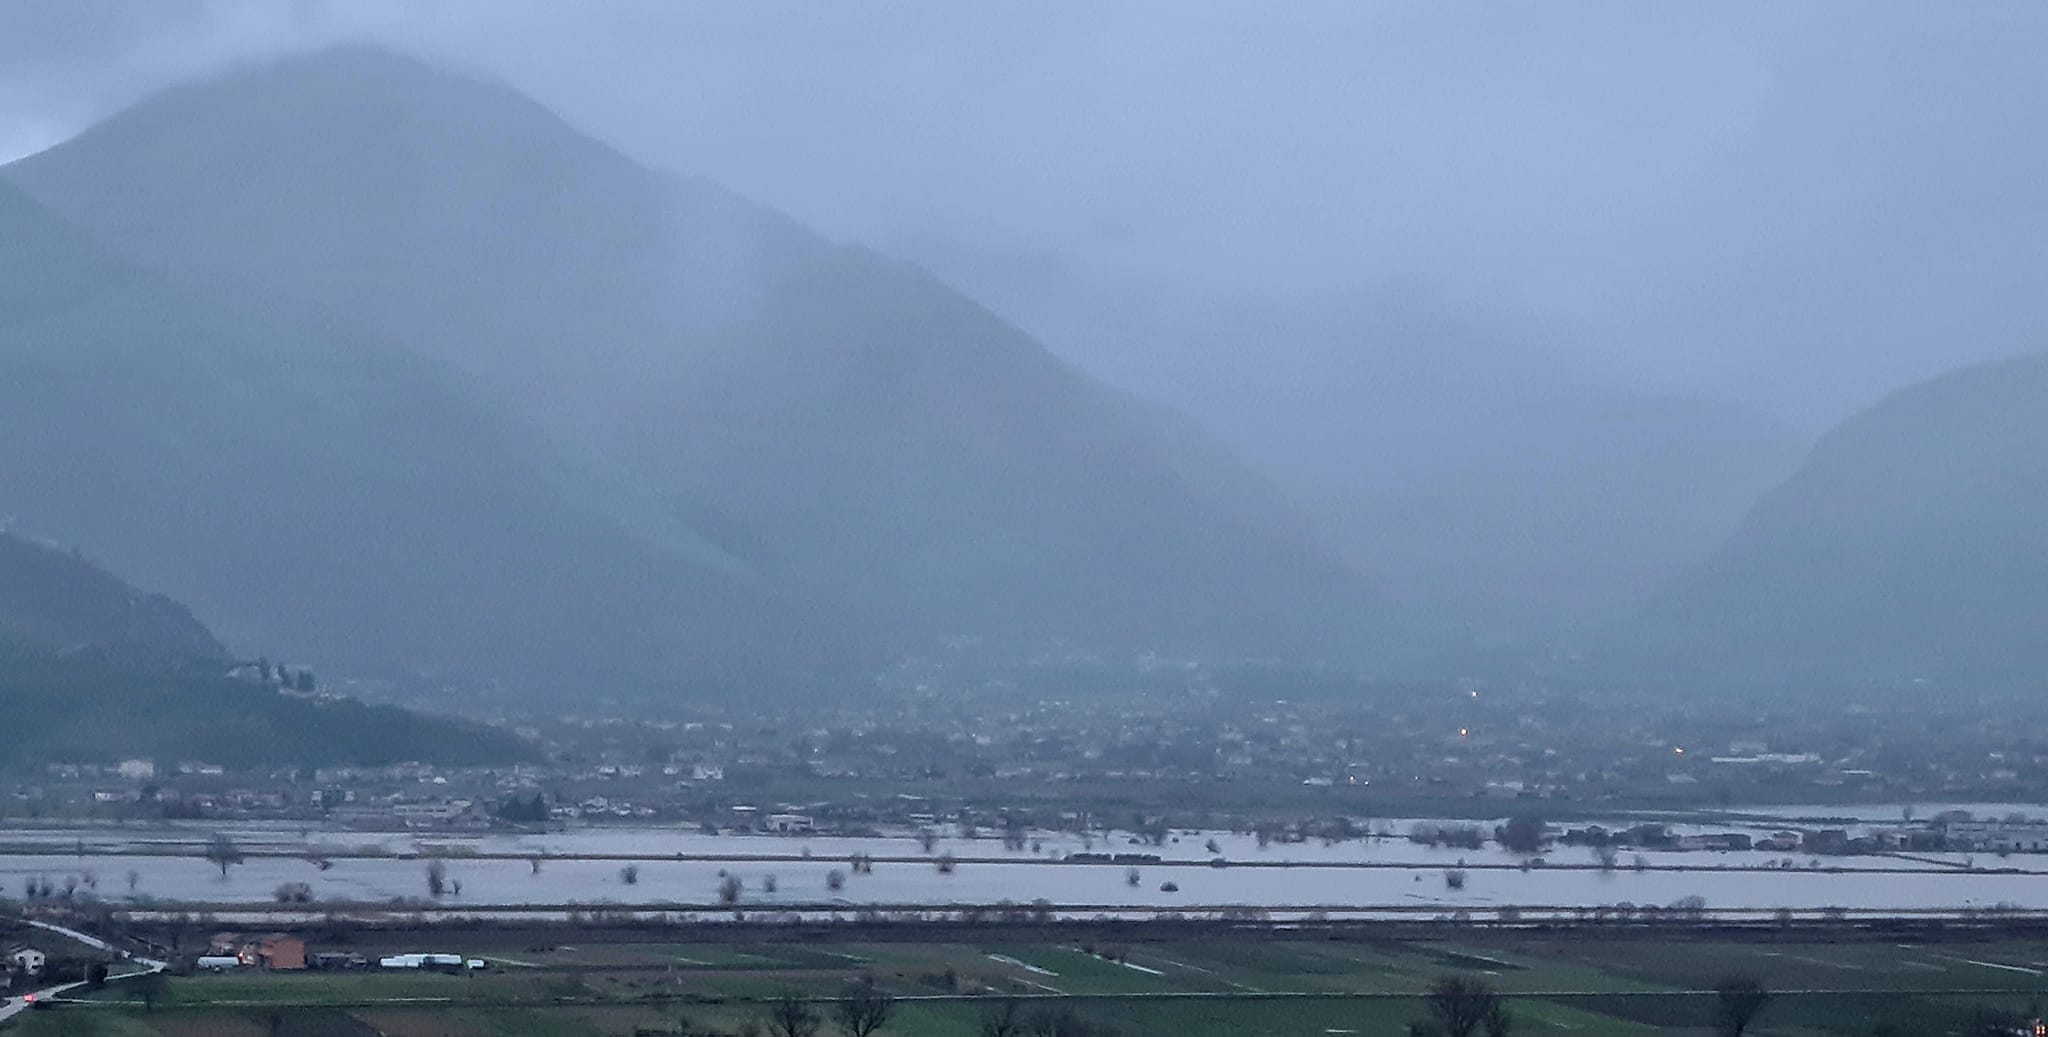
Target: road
[(14, 1006)]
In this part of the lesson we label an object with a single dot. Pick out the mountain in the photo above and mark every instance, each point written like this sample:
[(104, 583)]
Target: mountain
[(1500, 492), (1911, 545), (893, 460), (323, 494), (101, 709), (94, 670), (60, 600)]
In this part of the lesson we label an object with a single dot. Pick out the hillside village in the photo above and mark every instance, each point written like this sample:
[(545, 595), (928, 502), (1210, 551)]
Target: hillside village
[(965, 757)]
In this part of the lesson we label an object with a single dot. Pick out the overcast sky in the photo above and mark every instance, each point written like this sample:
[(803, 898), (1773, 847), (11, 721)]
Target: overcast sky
[(1795, 205)]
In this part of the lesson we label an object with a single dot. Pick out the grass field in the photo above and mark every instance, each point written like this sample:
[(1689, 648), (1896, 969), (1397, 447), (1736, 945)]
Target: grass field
[(1583, 986)]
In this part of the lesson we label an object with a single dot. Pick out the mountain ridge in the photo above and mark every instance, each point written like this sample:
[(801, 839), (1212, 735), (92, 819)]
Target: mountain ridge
[(1909, 547), (887, 460), (316, 491), (58, 599), (94, 669)]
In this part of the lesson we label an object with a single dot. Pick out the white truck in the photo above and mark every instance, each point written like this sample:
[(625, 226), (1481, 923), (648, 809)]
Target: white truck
[(438, 962)]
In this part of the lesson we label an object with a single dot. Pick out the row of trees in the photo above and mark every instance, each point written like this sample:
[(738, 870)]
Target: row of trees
[(1008, 1018), (1454, 1006), (862, 1010), (1460, 1006)]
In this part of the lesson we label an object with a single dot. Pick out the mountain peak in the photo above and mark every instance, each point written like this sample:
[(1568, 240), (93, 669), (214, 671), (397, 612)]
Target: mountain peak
[(862, 440), (348, 95)]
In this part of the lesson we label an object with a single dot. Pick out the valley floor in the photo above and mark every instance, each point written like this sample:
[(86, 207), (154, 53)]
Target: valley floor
[(545, 982)]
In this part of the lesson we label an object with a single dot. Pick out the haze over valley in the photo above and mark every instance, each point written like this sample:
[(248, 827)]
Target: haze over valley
[(526, 409), (1122, 518)]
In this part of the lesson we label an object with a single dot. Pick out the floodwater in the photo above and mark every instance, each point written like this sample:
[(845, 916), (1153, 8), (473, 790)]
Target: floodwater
[(164, 863)]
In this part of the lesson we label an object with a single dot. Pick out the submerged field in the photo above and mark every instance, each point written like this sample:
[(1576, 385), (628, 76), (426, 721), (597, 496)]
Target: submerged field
[(1252, 984)]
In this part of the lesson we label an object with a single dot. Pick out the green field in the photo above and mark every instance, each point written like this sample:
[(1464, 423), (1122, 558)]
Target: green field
[(1585, 986)]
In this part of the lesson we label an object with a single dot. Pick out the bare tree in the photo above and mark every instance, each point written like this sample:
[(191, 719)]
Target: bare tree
[(630, 874), (1738, 999), (149, 987), (835, 880), (927, 839), (1063, 1022), (729, 889), (1497, 1022), (792, 1016), (1459, 1006), (1003, 1019), (222, 852), (863, 1009), (437, 878), (1523, 835)]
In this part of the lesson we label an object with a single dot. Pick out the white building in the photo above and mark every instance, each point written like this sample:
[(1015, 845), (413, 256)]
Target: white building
[(789, 823), (28, 960), (1997, 836)]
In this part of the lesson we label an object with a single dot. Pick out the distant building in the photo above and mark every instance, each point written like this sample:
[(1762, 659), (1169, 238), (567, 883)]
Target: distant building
[(1997, 836), (1781, 842), (279, 951), (1713, 841), (137, 770), (789, 824), (28, 960)]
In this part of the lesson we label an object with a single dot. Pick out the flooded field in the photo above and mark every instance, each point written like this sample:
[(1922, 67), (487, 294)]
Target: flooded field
[(684, 867)]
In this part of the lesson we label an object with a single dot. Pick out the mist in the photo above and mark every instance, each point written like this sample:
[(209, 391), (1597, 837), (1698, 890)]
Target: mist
[(1523, 315), (714, 518), (1794, 207)]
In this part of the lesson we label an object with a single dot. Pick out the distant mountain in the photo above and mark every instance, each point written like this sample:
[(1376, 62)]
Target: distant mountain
[(62, 601), (92, 669), (893, 460), (59, 600), (98, 708), (323, 494), (1911, 545), (1497, 492)]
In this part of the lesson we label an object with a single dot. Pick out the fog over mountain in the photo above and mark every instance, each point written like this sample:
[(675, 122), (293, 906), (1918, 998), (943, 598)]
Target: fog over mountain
[(1386, 333), (521, 406), (1705, 197), (1908, 548), (315, 490)]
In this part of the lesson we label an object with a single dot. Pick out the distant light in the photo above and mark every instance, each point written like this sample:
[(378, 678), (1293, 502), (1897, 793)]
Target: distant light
[(1475, 694), (1463, 731), (1679, 749)]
